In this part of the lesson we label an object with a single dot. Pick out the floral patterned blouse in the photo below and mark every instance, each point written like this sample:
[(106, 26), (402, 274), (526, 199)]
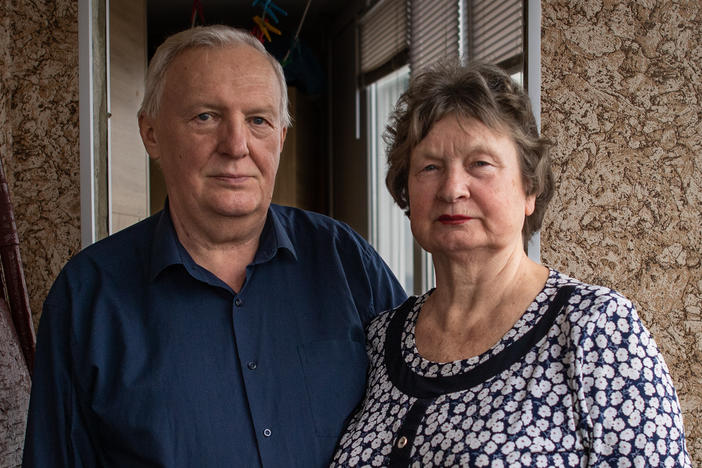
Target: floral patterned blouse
[(577, 381)]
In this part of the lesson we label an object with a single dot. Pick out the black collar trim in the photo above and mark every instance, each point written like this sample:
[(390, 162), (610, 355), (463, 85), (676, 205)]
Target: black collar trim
[(431, 387)]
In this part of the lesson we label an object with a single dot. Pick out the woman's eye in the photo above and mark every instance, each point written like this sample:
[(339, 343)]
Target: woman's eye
[(429, 168)]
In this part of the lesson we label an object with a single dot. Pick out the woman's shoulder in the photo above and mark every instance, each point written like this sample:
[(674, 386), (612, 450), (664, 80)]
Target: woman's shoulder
[(378, 327), (588, 296), (595, 307)]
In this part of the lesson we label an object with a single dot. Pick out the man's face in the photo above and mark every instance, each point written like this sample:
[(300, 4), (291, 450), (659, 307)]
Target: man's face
[(218, 133)]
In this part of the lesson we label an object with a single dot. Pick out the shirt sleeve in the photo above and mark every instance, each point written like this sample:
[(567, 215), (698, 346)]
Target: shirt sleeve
[(630, 405), (56, 435), (386, 291)]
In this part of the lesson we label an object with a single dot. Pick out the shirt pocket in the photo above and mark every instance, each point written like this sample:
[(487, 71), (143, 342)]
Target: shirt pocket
[(335, 379)]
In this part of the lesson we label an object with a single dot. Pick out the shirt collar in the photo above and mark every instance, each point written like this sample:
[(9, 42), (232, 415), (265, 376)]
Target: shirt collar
[(167, 249), (164, 249), (273, 238)]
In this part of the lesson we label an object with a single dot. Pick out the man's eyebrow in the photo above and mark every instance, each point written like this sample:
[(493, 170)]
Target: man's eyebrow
[(262, 108)]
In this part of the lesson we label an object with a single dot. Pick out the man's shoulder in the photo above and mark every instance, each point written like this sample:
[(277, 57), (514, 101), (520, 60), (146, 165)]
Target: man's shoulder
[(296, 221), (116, 263), (130, 245), (291, 215)]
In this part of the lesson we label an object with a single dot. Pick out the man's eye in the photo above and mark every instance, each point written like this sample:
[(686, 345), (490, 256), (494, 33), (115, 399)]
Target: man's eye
[(204, 117), (258, 120)]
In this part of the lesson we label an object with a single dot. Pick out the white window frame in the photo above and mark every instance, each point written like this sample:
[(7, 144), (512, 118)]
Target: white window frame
[(533, 73)]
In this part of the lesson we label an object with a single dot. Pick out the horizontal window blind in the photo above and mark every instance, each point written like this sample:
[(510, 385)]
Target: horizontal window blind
[(434, 32), (383, 33), (488, 30), (495, 30)]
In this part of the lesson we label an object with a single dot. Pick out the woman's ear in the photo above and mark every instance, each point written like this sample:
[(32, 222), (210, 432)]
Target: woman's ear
[(530, 204)]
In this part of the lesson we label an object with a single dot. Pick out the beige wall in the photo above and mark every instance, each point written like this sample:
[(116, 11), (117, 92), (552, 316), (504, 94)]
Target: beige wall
[(129, 173), (621, 84), (39, 149)]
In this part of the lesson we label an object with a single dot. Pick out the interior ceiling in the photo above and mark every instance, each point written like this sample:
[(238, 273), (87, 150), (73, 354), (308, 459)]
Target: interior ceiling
[(166, 17)]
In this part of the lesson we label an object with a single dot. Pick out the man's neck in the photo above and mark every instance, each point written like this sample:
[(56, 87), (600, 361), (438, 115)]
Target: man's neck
[(224, 246)]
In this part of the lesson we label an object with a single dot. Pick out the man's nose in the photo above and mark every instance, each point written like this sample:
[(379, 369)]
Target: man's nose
[(455, 185), (233, 138)]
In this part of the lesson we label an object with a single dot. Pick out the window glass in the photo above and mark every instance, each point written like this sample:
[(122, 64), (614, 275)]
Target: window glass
[(389, 227)]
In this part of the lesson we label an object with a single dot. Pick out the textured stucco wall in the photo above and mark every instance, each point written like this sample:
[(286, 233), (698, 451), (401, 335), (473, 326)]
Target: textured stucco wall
[(621, 90), (620, 97), (39, 139), (39, 147)]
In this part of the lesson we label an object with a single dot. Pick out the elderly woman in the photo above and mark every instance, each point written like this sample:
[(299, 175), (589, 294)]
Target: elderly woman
[(506, 362)]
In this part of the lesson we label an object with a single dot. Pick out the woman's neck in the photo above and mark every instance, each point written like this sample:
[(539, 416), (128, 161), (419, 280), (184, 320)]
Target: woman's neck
[(475, 303)]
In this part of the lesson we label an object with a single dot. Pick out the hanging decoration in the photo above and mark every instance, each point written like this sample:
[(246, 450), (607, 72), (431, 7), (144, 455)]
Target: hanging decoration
[(295, 42), (263, 27), (300, 65), (270, 8), (195, 13)]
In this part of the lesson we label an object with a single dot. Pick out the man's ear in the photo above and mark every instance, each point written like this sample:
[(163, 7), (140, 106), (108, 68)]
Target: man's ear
[(147, 131), (283, 134)]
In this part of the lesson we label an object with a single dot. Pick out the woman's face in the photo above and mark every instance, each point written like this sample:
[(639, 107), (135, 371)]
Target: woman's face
[(465, 189)]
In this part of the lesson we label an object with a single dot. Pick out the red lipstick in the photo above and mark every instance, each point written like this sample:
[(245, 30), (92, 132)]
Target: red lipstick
[(453, 219)]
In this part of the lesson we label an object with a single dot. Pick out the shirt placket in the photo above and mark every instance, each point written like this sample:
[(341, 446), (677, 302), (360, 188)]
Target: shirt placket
[(253, 369), (404, 441)]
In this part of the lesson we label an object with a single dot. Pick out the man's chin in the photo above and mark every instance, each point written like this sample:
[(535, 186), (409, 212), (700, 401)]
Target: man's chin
[(241, 210)]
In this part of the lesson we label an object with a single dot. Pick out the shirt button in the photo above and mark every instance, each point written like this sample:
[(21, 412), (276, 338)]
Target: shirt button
[(252, 365), (266, 432), (238, 302), (401, 442)]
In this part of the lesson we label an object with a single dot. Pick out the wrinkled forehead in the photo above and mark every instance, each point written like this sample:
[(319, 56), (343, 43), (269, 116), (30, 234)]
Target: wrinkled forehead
[(465, 118)]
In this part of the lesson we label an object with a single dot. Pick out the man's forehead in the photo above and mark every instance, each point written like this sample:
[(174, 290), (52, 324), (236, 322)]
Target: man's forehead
[(243, 54), (208, 60), (215, 64), (207, 75)]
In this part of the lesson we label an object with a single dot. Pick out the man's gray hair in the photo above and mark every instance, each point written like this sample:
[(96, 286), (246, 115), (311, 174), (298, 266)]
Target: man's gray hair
[(204, 36)]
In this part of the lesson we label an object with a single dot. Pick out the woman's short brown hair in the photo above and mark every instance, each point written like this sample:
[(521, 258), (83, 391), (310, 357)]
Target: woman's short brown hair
[(477, 91)]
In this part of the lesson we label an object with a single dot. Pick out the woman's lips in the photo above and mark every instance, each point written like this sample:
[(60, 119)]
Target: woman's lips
[(454, 219)]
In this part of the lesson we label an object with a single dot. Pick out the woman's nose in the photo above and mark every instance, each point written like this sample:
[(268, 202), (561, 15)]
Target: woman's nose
[(455, 186)]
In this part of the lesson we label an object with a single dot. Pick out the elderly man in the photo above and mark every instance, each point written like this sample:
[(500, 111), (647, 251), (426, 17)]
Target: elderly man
[(222, 331)]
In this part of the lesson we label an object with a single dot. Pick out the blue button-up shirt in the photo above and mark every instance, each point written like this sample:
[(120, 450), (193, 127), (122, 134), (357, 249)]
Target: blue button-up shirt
[(146, 359)]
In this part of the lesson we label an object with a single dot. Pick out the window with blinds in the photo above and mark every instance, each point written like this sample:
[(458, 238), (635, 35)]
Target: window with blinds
[(435, 32), (383, 34), (495, 30)]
